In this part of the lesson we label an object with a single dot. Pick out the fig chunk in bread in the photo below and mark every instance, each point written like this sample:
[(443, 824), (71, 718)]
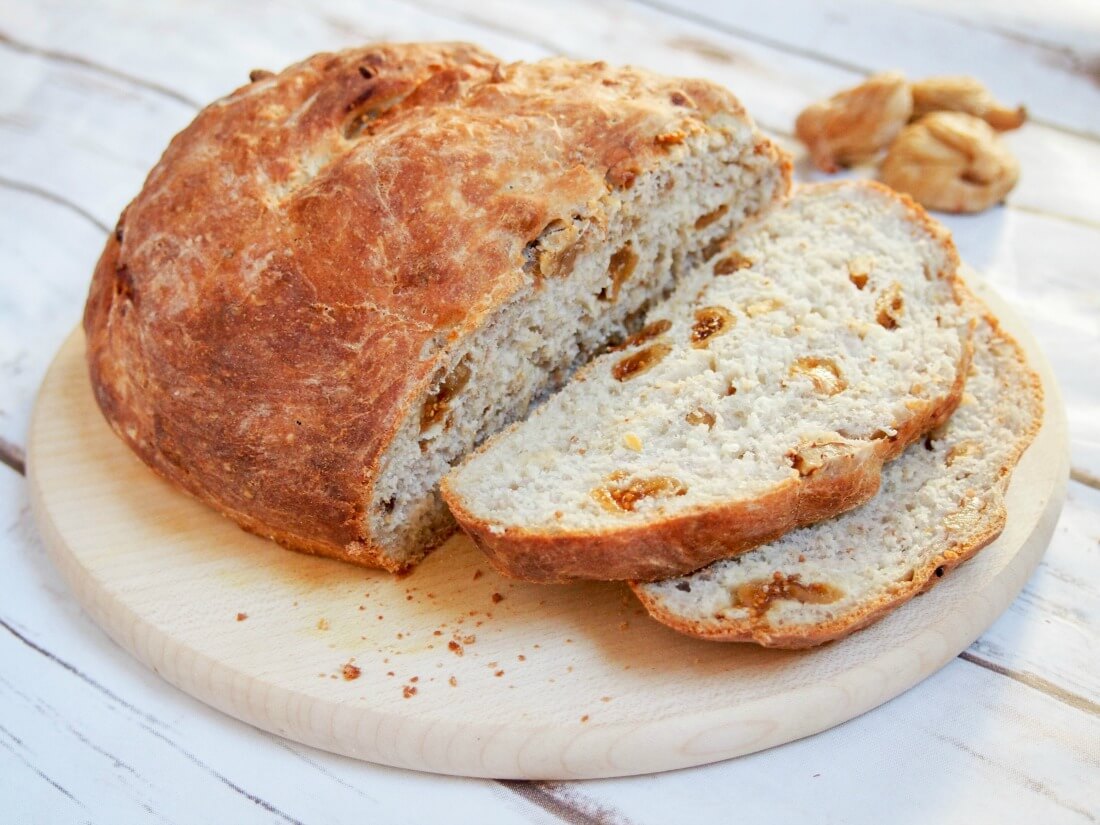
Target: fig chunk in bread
[(940, 503), (764, 395), (342, 277)]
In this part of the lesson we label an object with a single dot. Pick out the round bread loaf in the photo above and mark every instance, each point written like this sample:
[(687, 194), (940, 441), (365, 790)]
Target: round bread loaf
[(341, 278)]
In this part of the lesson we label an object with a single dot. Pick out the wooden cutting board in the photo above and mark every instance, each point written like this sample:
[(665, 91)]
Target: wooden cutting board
[(457, 670)]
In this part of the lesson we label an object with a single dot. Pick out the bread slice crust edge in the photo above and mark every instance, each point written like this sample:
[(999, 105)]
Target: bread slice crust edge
[(695, 538)]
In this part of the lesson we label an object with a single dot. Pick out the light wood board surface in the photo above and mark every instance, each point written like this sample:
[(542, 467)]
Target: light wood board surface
[(453, 668)]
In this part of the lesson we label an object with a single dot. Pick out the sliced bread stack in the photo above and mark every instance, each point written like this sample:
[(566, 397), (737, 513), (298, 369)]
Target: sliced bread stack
[(940, 503), (764, 395), (726, 457)]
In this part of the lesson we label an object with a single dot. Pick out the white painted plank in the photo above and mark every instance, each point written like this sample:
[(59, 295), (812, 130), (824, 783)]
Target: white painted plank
[(966, 746), (1053, 629), (1061, 172), (1047, 269), (205, 49), (1055, 84), (88, 138), (117, 738), (46, 258), (1068, 26)]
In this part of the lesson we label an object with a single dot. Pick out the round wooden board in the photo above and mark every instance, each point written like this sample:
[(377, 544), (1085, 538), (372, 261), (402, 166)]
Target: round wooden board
[(548, 682)]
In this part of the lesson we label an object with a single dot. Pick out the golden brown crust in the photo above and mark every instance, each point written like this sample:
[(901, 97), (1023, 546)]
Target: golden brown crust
[(759, 629), (698, 537), (289, 279)]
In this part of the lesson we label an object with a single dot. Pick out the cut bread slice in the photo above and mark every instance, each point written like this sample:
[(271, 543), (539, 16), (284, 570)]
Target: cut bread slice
[(940, 503), (764, 395)]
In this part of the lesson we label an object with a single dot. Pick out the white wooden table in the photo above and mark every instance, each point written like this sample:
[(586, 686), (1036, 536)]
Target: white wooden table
[(90, 94)]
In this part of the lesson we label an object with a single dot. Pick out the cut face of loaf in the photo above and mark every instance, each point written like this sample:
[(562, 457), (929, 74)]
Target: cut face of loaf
[(940, 503), (588, 278), (342, 277), (765, 394)]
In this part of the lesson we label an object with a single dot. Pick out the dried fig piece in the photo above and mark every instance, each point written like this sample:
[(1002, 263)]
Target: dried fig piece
[(961, 450), (731, 263), (810, 457), (856, 123), (889, 306), (622, 265), (554, 251), (713, 248), (952, 162), (710, 321), (437, 404), (706, 220), (634, 365), (958, 93), (620, 495), (645, 334), (859, 271), (823, 373), (758, 595), (700, 416)]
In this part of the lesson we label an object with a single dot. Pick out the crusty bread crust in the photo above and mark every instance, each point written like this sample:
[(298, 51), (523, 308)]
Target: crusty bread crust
[(760, 630), (697, 537), (278, 297)]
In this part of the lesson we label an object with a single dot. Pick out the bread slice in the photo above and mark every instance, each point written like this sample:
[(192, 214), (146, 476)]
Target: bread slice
[(764, 395), (342, 277), (940, 503)]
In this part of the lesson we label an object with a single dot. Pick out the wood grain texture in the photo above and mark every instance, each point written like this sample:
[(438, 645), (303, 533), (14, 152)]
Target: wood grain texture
[(820, 778), (548, 682), (1057, 82), (85, 716)]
